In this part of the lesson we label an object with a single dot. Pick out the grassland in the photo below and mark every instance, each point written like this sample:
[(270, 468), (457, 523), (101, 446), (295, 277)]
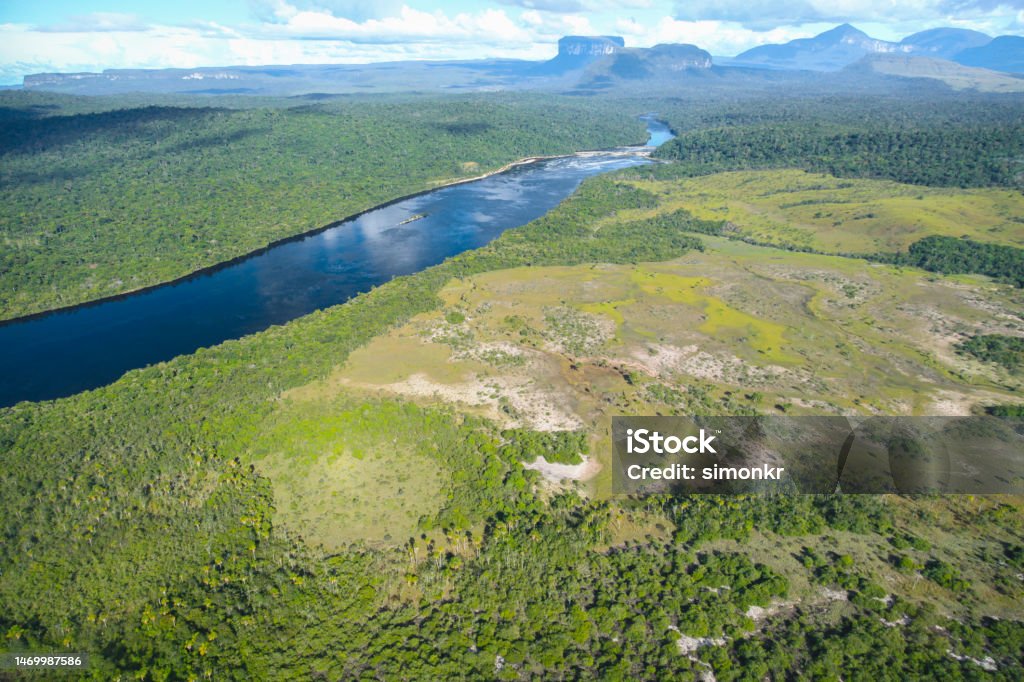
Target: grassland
[(339, 480), (739, 328), (840, 215)]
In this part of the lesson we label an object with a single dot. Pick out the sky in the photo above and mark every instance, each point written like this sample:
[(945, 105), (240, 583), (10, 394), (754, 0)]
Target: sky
[(92, 35)]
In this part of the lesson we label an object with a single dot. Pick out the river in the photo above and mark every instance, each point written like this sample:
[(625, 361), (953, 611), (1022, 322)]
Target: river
[(64, 352)]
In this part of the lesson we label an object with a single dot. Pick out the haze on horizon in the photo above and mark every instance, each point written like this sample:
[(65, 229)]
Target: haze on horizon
[(69, 35)]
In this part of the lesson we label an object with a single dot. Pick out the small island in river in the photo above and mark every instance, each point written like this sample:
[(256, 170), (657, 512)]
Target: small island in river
[(418, 216)]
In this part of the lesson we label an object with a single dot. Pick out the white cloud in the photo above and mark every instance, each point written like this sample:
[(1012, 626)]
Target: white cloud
[(532, 18), (546, 27), (570, 6), (297, 37), (354, 31), (97, 22), (768, 14), (717, 37), (487, 27), (629, 27), (356, 10), (562, 6), (577, 25)]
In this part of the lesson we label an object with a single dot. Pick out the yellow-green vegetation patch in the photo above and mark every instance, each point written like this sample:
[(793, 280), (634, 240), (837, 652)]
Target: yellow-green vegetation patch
[(345, 474), (708, 333), (722, 320), (335, 500), (609, 309), (395, 358), (814, 210)]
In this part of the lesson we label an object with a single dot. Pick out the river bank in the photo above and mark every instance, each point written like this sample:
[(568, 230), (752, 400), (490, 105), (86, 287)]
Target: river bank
[(60, 352), (221, 265)]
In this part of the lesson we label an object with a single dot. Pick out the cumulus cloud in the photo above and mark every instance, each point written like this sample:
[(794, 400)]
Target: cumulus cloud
[(768, 14), (355, 31), (295, 36), (97, 22), (487, 27), (574, 6), (717, 37), (548, 5), (356, 10)]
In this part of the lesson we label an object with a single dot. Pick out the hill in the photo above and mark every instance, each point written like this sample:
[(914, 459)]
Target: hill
[(660, 61), (944, 43), (1005, 53), (844, 45), (956, 76), (828, 51)]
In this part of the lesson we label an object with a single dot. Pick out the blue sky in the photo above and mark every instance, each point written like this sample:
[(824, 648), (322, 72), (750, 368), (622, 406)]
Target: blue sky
[(91, 35)]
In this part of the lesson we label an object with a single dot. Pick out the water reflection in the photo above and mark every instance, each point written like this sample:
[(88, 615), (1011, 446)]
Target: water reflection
[(67, 352)]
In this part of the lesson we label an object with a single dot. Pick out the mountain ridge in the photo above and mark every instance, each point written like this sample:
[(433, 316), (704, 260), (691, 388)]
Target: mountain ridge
[(1004, 53), (839, 47), (589, 63)]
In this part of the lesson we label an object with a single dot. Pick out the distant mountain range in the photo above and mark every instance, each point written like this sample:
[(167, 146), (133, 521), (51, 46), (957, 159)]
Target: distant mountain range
[(844, 45), (586, 65), (600, 60), (1005, 53)]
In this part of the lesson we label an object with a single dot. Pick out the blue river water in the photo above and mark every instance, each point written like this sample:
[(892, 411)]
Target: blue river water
[(65, 352)]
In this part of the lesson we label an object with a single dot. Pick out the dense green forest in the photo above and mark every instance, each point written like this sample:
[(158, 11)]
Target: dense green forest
[(952, 145), (105, 196), (136, 530), (967, 156), (955, 256), (748, 108), (1007, 351)]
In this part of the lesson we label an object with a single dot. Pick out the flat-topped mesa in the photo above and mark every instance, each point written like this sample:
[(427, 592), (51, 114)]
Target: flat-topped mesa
[(608, 56), (590, 46), (677, 56), (579, 52)]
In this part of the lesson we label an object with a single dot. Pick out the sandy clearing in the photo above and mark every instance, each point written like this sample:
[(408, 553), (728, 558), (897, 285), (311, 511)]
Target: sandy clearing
[(556, 473), (687, 645), (954, 404), (668, 361), (533, 407)]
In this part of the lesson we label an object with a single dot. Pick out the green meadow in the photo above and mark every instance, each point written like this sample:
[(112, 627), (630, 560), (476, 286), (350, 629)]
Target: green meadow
[(841, 215)]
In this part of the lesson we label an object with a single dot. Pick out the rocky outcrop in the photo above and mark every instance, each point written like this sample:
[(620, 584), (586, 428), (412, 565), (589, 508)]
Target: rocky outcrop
[(578, 52), (660, 61), (589, 47), (676, 57)]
